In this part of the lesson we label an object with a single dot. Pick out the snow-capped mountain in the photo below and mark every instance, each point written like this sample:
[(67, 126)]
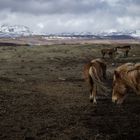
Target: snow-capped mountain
[(20, 30), (136, 33), (110, 34), (14, 31), (125, 32), (128, 34)]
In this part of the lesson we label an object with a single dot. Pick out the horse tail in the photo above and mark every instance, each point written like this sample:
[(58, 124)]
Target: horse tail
[(98, 80)]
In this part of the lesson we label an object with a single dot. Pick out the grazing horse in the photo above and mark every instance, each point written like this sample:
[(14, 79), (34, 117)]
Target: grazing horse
[(109, 51), (126, 76), (124, 49), (94, 74)]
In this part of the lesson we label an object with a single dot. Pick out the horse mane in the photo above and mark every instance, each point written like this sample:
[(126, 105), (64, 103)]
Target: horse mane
[(136, 67), (125, 67), (98, 60), (128, 67), (129, 73)]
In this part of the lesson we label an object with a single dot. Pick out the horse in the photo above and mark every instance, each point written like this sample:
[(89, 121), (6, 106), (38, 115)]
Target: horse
[(124, 49), (126, 76), (94, 75), (109, 51)]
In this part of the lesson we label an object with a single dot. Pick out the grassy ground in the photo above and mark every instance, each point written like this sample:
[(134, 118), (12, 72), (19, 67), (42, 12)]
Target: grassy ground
[(43, 96)]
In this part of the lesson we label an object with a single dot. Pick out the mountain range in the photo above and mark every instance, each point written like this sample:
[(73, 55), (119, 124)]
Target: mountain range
[(13, 31)]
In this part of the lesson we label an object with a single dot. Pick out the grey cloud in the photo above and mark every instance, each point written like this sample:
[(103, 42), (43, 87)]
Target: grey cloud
[(46, 7), (71, 15), (53, 6)]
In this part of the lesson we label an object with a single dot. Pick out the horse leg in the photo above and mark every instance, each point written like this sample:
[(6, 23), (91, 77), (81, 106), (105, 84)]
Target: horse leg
[(110, 55), (103, 54), (94, 92), (126, 53), (91, 88), (91, 95), (104, 72)]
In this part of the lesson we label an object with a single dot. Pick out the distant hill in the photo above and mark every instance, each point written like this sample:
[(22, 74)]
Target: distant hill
[(101, 35), (13, 31)]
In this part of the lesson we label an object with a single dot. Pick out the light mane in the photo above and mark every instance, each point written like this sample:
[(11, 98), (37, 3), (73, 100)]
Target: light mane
[(125, 67), (129, 74), (97, 60)]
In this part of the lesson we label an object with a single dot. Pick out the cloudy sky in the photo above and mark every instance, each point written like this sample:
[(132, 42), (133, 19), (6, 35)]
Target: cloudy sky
[(55, 16)]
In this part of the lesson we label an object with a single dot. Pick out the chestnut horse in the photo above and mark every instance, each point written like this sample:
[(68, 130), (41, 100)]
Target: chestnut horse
[(94, 75), (124, 49), (126, 76), (109, 51)]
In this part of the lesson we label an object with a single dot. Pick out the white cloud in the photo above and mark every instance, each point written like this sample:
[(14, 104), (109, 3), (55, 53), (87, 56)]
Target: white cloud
[(40, 25), (129, 22)]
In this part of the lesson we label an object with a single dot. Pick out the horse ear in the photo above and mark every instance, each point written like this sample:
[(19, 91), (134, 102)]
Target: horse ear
[(116, 74)]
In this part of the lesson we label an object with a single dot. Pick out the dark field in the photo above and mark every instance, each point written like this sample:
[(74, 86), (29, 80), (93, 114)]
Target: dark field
[(43, 96)]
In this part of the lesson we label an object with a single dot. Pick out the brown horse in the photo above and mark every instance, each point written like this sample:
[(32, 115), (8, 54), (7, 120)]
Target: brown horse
[(109, 51), (126, 76), (94, 74), (124, 49)]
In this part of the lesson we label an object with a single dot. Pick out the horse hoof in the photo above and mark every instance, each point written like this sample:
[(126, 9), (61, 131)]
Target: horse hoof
[(91, 100), (95, 103)]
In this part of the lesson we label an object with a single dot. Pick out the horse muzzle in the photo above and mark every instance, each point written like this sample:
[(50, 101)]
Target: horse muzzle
[(114, 99)]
